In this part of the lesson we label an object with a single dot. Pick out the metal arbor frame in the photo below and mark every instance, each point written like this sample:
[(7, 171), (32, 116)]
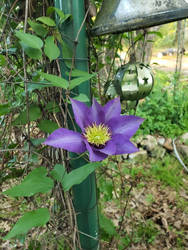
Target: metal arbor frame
[(84, 194)]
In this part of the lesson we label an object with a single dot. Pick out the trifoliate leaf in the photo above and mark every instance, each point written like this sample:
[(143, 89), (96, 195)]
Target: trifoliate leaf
[(34, 182), (35, 218)]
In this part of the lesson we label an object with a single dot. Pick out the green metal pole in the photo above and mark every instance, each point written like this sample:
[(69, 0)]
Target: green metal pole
[(84, 195)]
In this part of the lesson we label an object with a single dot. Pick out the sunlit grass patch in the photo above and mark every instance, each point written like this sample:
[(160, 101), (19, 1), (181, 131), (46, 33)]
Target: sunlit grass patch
[(168, 171)]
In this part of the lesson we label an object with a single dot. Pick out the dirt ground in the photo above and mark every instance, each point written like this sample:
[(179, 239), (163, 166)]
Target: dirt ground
[(168, 63)]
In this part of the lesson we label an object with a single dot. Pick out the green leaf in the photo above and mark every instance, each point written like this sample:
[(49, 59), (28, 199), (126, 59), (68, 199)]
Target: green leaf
[(34, 182), (32, 52), (77, 81), (55, 80), (157, 33), (57, 36), (47, 126), (52, 107), (139, 37), (81, 98), (30, 40), (34, 114), (107, 225), (59, 172), (50, 10), (51, 50), (37, 141), (3, 61), (5, 109), (60, 13), (78, 175), (35, 218), (32, 86), (46, 20), (67, 54), (38, 28), (63, 17), (150, 41)]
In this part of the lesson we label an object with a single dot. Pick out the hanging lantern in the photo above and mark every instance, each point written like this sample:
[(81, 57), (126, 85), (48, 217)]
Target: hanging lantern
[(117, 16), (133, 81)]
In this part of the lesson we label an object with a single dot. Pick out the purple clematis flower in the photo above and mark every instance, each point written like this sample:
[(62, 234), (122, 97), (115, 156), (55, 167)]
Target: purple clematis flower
[(104, 131)]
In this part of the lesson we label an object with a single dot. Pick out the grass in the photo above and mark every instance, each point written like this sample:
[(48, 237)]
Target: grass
[(144, 231), (182, 204), (169, 172)]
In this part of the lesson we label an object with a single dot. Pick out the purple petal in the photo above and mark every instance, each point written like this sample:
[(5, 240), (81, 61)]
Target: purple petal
[(123, 145), (66, 139), (94, 155), (126, 125), (109, 149), (96, 114), (80, 113), (112, 109)]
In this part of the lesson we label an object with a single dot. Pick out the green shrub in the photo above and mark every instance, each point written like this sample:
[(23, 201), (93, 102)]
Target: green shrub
[(165, 110), (168, 172)]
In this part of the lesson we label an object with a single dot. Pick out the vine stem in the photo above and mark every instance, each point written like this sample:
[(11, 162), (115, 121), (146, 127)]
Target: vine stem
[(25, 78), (5, 25)]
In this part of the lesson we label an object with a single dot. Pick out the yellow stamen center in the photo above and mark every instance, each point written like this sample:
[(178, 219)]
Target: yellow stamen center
[(97, 134)]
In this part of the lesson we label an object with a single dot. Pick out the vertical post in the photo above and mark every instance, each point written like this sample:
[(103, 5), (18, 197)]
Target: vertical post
[(84, 195)]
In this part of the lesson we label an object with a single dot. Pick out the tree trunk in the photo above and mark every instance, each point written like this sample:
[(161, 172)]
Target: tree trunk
[(144, 46), (180, 40)]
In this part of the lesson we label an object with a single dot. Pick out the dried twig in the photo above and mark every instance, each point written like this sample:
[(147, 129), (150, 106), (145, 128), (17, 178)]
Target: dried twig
[(178, 156)]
